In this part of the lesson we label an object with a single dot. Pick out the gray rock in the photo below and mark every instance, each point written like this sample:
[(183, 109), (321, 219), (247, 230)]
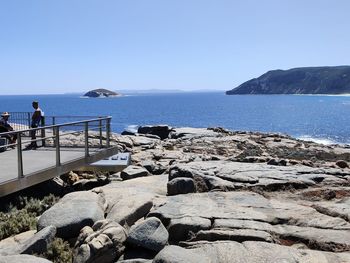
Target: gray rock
[(12, 245), (150, 234), (181, 228), (227, 176), (102, 243), (176, 254), (134, 253), (23, 259), (28, 242), (315, 238), (88, 184), (239, 235), (242, 224), (40, 242), (181, 185), (150, 166), (128, 205), (133, 172), (257, 252), (229, 209), (190, 133), (342, 164), (144, 141), (73, 212), (159, 130)]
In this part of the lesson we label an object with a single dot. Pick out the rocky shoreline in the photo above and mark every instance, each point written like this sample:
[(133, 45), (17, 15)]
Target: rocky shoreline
[(204, 195)]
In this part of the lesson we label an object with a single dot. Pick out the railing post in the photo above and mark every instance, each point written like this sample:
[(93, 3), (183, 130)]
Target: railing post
[(29, 119), (54, 130), (108, 132), (43, 131), (57, 144), (86, 139), (100, 129), (19, 156)]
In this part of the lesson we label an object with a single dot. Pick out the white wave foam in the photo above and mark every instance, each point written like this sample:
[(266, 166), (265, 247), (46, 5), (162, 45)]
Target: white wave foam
[(132, 128), (324, 141)]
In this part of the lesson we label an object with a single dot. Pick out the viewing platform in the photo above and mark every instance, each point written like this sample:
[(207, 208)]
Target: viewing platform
[(62, 147)]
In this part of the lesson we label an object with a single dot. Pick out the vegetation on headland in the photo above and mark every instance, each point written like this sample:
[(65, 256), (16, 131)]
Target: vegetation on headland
[(308, 80)]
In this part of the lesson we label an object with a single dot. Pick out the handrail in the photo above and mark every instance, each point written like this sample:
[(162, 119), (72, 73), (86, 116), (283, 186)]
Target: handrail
[(56, 125), (56, 138)]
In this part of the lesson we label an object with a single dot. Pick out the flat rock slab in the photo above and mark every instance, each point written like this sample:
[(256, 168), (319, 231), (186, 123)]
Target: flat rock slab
[(247, 210), (176, 254), (257, 252), (73, 212), (250, 175), (190, 133)]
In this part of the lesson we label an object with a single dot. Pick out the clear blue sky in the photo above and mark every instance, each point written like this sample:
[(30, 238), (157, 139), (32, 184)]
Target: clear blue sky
[(77, 45)]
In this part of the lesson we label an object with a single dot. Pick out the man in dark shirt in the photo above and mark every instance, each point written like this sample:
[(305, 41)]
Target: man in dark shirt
[(36, 120)]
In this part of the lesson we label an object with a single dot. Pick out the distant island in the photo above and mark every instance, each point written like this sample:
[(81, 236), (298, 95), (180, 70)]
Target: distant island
[(307, 80), (101, 93)]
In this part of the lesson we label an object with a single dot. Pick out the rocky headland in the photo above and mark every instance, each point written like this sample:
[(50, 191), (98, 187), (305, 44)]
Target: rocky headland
[(203, 195), (307, 80)]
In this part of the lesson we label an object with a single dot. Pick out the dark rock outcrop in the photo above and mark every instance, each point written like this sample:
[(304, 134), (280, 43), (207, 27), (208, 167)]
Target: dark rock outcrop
[(96, 93), (308, 80)]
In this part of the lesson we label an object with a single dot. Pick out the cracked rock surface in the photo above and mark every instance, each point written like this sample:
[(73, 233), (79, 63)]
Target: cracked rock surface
[(212, 195)]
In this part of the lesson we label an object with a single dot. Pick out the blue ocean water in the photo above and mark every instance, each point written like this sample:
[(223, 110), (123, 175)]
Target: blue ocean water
[(322, 118)]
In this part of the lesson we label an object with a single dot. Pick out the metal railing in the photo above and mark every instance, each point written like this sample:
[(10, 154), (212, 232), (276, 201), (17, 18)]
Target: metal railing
[(51, 136), (22, 120)]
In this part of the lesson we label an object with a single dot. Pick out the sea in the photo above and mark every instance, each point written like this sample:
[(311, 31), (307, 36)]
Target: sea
[(319, 118)]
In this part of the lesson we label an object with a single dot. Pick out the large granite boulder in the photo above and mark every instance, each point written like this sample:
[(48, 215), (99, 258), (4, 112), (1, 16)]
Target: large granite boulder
[(73, 212), (150, 234), (127, 205)]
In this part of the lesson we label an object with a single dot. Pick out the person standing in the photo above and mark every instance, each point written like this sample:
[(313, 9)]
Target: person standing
[(36, 120)]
